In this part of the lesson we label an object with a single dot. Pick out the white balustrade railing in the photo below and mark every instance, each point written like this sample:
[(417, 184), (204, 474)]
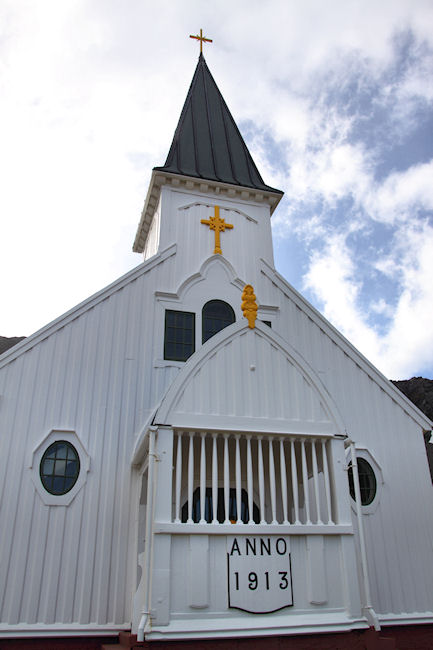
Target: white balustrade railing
[(248, 478)]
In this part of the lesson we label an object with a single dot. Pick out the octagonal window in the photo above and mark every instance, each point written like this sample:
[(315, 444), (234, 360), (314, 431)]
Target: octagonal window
[(367, 482), (59, 467)]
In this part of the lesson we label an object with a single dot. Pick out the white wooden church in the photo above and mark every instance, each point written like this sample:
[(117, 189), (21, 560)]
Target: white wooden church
[(195, 452)]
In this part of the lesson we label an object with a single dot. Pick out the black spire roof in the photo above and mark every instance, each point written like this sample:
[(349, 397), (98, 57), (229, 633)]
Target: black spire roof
[(207, 143)]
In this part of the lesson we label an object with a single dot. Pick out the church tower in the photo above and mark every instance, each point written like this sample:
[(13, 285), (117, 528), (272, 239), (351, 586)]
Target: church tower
[(209, 174)]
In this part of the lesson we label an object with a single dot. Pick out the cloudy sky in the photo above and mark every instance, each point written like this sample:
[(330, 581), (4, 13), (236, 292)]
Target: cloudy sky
[(334, 100)]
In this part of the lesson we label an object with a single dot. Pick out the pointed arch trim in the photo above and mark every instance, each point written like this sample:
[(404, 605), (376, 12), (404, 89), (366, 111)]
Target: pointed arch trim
[(222, 348), (200, 275)]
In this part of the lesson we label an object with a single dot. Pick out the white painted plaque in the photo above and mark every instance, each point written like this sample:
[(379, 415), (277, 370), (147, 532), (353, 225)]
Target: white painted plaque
[(259, 573)]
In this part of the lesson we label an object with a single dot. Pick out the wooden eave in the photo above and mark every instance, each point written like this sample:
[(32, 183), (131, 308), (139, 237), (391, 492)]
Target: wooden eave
[(189, 183)]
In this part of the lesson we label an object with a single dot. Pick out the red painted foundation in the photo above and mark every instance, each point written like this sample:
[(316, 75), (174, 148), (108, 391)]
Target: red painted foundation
[(58, 643), (414, 637)]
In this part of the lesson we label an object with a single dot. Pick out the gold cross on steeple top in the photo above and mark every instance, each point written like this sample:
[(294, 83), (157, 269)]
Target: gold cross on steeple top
[(202, 40), (217, 224)]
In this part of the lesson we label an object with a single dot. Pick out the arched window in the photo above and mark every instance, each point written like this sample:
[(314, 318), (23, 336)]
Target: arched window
[(216, 315), (196, 507)]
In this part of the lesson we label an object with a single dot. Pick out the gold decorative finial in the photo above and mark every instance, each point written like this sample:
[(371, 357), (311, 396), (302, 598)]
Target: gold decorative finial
[(249, 305), (202, 40), (219, 225)]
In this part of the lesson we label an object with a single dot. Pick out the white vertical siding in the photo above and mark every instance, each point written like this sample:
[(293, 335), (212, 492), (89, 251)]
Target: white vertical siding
[(248, 241), (263, 387), (95, 375), (399, 534)]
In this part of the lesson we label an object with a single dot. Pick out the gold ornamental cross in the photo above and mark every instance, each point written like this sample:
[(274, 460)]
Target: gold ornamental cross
[(218, 225), (202, 40)]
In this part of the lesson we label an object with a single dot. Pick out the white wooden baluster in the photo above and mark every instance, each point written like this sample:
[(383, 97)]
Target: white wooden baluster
[(250, 481), (261, 481), (214, 479), (238, 482), (203, 478), (316, 481), (178, 478), (283, 481), (294, 481), (226, 479), (190, 476), (327, 482), (272, 481), (305, 482)]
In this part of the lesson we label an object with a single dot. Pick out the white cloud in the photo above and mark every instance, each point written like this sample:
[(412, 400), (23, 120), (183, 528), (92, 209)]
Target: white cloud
[(381, 306), (332, 279), (402, 194), (408, 341), (90, 97)]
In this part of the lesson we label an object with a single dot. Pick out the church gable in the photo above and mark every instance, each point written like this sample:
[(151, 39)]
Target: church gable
[(248, 379), (140, 275), (329, 352)]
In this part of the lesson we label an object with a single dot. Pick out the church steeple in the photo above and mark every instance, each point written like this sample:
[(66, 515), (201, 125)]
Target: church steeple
[(207, 143), (208, 154)]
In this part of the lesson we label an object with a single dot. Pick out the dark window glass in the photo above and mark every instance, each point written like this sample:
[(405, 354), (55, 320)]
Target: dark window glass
[(208, 509), (179, 338), (367, 482), (267, 322), (216, 315), (59, 468)]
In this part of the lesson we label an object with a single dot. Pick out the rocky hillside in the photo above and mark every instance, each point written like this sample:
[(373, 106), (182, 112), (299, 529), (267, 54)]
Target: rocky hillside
[(419, 391), (7, 342)]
